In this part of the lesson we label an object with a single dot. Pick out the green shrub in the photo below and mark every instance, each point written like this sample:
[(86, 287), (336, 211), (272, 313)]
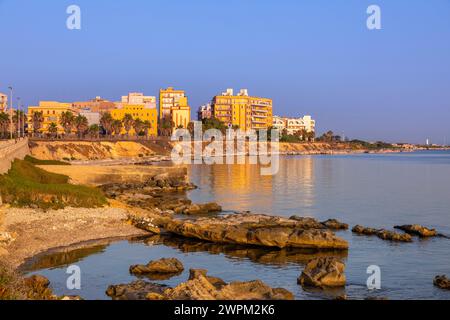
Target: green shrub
[(28, 186), (45, 162)]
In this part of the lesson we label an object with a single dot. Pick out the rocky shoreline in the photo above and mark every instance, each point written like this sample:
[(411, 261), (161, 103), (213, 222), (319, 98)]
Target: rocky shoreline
[(157, 207)]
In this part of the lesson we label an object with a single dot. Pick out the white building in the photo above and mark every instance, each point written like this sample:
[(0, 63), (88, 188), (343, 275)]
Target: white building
[(137, 98), (293, 125), (3, 102), (92, 117)]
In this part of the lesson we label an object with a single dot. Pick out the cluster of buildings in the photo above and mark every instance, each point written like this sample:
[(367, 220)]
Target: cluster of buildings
[(249, 112), (172, 103), (234, 109)]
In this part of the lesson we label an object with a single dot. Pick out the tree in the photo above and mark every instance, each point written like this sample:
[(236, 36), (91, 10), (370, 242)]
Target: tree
[(165, 127), (117, 127), (4, 123), (18, 118), (38, 120), (94, 131), (128, 123), (67, 121), (53, 129), (82, 125), (106, 121), (147, 126), (138, 126)]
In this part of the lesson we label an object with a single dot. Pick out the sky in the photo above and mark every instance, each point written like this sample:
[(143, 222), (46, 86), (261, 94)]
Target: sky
[(311, 57)]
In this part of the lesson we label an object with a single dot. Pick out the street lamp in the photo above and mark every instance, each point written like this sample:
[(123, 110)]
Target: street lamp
[(18, 117), (10, 112)]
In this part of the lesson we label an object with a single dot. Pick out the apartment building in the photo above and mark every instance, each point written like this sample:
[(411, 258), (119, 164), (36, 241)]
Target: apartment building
[(246, 112), (174, 106), (144, 112), (51, 111), (204, 112), (293, 125), (3, 102), (96, 105)]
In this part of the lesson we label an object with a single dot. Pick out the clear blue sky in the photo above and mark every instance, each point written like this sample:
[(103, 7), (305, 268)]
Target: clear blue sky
[(312, 57)]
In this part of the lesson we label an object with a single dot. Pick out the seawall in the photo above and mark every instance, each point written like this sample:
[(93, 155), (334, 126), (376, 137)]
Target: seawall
[(10, 150)]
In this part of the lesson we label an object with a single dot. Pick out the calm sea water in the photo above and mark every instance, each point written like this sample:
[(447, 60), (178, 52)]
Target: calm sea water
[(372, 190)]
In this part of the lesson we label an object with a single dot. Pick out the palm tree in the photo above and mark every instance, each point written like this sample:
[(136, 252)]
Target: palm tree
[(94, 131), (128, 123), (138, 126), (18, 119), (82, 125), (53, 129), (38, 120), (4, 123), (117, 127), (67, 121), (147, 126), (106, 121)]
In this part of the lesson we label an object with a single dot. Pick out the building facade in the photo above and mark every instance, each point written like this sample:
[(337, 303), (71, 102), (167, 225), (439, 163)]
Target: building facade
[(138, 98), (205, 112), (174, 106), (294, 125), (97, 105), (51, 111), (138, 111), (241, 110), (3, 102)]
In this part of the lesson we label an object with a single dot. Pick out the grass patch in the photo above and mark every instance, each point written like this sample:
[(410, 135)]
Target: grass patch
[(25, 185), (45, 162)]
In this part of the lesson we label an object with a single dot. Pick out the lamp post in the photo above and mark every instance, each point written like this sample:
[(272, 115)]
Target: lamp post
[(18, 117), (10, 112)]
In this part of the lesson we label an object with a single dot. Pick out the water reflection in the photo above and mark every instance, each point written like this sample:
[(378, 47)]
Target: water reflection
[(241, 187), (260, 255)]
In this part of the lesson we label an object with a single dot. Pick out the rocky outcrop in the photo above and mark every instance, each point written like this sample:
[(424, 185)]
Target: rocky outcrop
[(442, 282), (312, 223), (334, 224), (199, 286), (418, 230), (137, 290), (198, 209), (251, 229), (382, 234), (164, 265), (6, 238), (323, 272)]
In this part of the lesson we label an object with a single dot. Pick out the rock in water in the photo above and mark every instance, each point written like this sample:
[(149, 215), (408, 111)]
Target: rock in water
[(323, 272), (418, 230), (335, 224), (200, 286), (261, 230), (164, 265), (442, 282), (394, 236), (137, 290), (365, 231), (382, 234)]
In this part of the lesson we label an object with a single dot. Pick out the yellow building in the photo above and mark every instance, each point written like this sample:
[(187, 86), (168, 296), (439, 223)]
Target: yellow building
[(174, 106), (242, 110), (51, 111), (143, 112)]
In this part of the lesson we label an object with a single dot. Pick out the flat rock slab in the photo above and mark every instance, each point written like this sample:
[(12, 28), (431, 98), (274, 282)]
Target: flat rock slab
[(382, 234), (251, 229), (164, 265)]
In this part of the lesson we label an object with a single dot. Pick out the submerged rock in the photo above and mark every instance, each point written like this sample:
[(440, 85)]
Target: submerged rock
[(442, 282), (382, 234), (418, 230), (164, 265), (323, 272)]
